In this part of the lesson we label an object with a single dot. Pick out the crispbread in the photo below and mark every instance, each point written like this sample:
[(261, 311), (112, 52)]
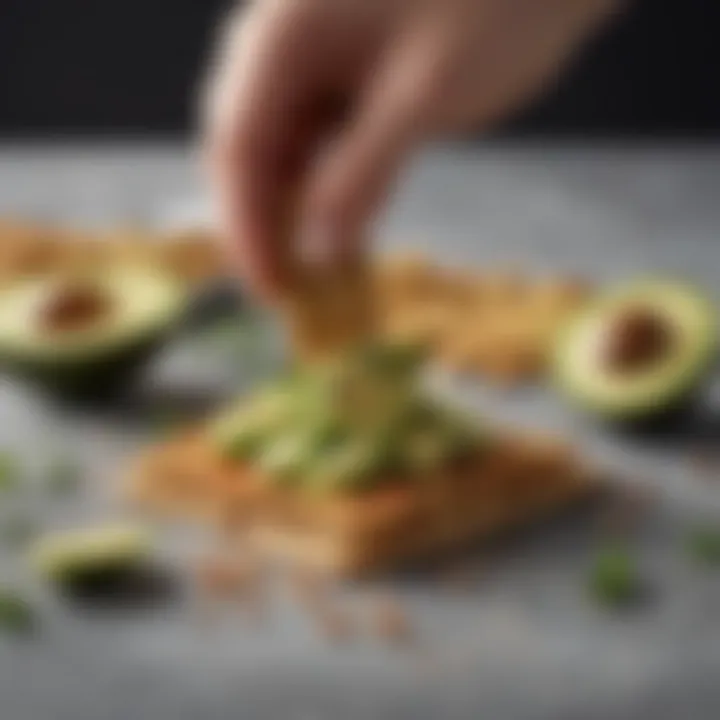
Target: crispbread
[(513, 481), (33, 249), (497, 324), (327, 310)]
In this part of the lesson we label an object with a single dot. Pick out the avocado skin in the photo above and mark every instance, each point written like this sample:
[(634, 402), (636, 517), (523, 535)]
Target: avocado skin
[(671, 414), (100, 378), (669, 419)]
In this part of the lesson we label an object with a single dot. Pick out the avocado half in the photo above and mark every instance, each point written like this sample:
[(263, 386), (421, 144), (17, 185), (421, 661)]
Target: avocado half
[(138, 309), (86, 555), (681, 336)]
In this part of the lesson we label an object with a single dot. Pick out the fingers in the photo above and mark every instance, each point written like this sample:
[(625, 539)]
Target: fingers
[(395, 114), (253, 135)]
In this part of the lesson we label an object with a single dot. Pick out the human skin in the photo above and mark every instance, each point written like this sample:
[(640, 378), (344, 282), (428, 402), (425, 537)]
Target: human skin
[(317, 105)]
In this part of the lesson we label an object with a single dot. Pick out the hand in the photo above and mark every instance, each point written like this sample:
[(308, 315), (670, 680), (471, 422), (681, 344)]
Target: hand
[(333, 96)]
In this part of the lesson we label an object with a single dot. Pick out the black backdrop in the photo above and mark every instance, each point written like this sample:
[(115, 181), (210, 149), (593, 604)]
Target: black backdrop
[(129, 66)]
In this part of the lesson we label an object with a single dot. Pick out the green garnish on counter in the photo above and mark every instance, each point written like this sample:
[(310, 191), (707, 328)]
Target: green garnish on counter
[(8, 472), (16, 614), (614, 578), (77, 555), (703, 544)]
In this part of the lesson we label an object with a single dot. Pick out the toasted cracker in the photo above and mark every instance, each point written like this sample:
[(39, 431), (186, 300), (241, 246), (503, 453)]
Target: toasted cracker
[(514, 481), (496, 324), (327, 310)]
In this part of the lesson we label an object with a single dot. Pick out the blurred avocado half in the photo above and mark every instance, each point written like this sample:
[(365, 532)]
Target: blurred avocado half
[(639, 352), (86, 336), (79, 556)]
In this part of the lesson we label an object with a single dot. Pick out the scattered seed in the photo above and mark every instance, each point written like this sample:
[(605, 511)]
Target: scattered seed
[(705, 460), (309, 587), (335, 625), (461, 577), (391, 623), (222, 579), (627, 510)]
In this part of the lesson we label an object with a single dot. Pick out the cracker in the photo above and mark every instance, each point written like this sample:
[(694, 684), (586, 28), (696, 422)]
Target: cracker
[(496, 324), (514, 480)]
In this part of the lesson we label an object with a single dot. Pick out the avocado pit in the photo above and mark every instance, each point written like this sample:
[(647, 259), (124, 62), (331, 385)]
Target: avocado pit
[(637, 339), (75, 306)]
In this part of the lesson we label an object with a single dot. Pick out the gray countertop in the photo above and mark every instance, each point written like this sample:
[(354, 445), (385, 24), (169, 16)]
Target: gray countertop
[(524, 643)]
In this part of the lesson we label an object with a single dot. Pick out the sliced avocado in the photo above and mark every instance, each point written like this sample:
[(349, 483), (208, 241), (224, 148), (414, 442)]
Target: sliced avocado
[(344, 425), (286, 457), (81, 555), (639, 350), (87, 335), (351, 465)]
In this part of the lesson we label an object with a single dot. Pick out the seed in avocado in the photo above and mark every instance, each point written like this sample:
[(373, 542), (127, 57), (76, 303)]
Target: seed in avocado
[(636, 339), (614, 579), (16, 614), (703, 544), (75, 306)]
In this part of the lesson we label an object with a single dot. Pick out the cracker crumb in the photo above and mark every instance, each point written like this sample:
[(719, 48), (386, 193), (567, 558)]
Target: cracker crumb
[(391, 623)]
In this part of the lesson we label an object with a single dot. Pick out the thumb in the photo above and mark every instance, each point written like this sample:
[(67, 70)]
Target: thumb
[(358, 169)]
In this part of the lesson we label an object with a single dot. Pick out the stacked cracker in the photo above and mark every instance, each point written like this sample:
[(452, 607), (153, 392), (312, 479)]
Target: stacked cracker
[(514, 480), (28, 249), (500, 325)]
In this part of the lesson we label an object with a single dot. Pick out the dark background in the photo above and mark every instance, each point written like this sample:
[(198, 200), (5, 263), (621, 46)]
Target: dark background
[(125, 67)]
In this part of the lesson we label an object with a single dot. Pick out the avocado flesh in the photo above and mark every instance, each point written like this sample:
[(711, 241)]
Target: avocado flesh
[(663, 384), (97, 359), (81, 555), (344, 426)]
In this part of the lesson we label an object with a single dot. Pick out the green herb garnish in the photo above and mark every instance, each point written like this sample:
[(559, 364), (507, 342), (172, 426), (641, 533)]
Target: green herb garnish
[(614, 577), (8, 472), (703, 544), (16, 614)]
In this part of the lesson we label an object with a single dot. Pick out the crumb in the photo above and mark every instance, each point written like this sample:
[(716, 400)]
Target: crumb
[(335, 625), (460, 577), (223, 579), (706, 461), (309, 587), (391, 623), (627, 509)]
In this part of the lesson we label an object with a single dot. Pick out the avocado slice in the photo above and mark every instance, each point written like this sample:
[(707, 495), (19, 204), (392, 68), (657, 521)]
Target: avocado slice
[(86, 336), (345, 424), (84, 555), (639, 351), (353, 464), (241, 432)]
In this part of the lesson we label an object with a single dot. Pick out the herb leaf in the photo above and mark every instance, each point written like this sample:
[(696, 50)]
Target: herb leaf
[(8, 472), (16, 614), (614, 578), (703, 544)]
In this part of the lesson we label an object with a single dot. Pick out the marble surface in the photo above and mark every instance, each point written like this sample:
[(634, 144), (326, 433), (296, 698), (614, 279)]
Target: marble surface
[(523, 642)]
